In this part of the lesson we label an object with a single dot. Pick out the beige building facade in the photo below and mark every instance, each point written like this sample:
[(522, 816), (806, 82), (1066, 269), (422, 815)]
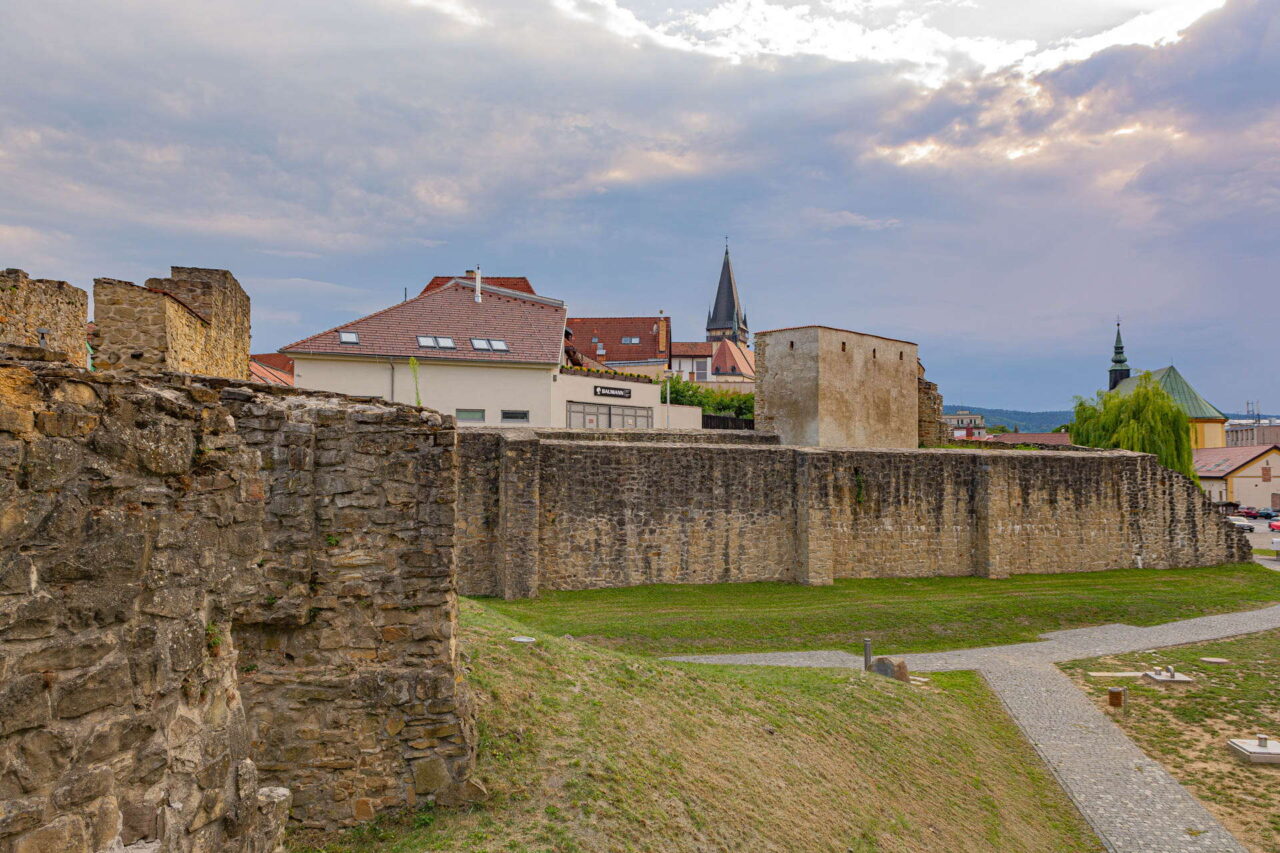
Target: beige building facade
[(819, 386), (1249, 476)]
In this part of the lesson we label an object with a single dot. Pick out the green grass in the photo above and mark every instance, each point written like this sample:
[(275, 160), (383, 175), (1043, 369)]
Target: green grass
[(587, 750), (906, 615), (1186, 728), (1264, 552)]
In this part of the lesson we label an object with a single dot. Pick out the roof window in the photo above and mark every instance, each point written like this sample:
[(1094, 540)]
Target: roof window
[(490, 345), (348, 337), (445, 343), (480, 343), (499, 345), (631, 340), (427, 341)]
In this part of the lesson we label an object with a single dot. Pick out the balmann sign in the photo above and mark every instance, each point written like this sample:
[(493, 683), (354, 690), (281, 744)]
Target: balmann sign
[(606, 391)]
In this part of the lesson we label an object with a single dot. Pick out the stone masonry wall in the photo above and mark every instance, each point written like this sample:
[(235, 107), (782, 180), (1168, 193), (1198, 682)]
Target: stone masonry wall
[(204, 582), (544, 514), (931, 429), (195, 322), (125, 510), (30, 304)]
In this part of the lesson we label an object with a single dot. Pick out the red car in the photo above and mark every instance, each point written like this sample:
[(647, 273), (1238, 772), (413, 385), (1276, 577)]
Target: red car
[(1248, 512), (1274, 524)]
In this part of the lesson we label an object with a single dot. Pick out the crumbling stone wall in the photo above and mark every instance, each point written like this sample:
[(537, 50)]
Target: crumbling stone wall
[(931, 429), (204, 581), (28, 305), (125, 509), (547, 514), (196, 322), (346, 630)]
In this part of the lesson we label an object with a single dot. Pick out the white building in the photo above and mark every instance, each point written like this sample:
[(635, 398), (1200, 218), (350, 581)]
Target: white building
[(485, 353)]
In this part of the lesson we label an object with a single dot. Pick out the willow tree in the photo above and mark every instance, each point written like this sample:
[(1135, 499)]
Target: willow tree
[(1146, 420)]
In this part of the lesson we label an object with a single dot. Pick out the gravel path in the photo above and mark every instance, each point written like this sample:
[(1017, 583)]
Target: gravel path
[(1132, 802)]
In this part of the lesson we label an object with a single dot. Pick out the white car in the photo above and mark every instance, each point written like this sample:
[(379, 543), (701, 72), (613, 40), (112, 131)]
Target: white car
[(1240, 522)]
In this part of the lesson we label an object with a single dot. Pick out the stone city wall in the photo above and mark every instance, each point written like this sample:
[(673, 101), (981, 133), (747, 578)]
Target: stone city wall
[(195, 322), (930, 428), (30, 304), (207, 588), (540, 514)]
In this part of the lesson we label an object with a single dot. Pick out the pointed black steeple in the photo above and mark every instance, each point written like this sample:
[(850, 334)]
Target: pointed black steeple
[(1119, 364), (727, 319)]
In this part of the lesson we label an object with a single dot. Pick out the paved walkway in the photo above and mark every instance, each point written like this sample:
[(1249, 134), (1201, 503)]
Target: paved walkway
[(1131, 802)]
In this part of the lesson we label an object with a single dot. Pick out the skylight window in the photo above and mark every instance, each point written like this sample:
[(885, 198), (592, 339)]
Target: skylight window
[(631, 340), (490, 345), (480, 343), (498, 345), (445, 343), (427, 341), (348, 337)]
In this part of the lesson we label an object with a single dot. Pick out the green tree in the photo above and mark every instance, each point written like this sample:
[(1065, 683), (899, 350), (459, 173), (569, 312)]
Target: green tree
[(998, 429), (718, 402), (1146, 420)]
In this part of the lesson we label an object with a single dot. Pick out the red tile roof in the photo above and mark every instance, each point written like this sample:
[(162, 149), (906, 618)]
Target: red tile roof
[(518, 283), (1221, 461), (693, 349), (654, 334), (532, 326), (1059, 438), (733, 359), (265, 373), (275, 360)]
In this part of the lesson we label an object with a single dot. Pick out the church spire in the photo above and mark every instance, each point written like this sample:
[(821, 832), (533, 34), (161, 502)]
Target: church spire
[(727, 319), (1119, 364)]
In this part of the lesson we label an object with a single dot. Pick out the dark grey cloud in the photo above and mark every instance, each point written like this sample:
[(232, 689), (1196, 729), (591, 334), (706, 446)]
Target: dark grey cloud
[(334, 153)]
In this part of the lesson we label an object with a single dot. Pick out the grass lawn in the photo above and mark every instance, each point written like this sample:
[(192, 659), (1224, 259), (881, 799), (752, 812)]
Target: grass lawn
[(1186, 728), (927, 614), (586, 750), (1264, 552)]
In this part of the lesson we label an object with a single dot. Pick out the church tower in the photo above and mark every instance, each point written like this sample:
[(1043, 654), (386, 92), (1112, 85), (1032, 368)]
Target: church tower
[(726, 319), (1119, 364)]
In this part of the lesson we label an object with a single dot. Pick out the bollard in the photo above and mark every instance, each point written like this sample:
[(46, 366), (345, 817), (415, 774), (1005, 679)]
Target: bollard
[(1262, 741), (1116, 697), (866, 653)]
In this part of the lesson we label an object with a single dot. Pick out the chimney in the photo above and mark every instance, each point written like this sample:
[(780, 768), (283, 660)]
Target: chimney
[(478, 280)]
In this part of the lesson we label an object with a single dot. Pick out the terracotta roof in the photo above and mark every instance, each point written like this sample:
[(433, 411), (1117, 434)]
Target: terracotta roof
[(732, 358), (1221, 461), (262, 372), (275, 360), (693, 349), (518, 283), (1031, 438), (592, 333), (532, 326)]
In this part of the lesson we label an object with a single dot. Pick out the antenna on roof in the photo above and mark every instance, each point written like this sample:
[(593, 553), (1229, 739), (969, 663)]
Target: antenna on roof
[(478, 282)]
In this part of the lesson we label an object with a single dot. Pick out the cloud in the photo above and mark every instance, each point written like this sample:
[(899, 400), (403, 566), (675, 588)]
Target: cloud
[(831, 220)]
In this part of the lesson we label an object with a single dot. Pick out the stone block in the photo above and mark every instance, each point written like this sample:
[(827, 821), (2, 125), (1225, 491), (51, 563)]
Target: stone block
[(66, 834)]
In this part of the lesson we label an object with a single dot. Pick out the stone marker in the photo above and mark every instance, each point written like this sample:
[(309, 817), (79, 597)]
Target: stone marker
[(1214, 660), (1167, 675), (890, 668), (901, 672)]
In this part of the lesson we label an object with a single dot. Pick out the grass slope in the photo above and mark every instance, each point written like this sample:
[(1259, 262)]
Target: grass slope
[(925, 614), (1186, 728), (586, 749)]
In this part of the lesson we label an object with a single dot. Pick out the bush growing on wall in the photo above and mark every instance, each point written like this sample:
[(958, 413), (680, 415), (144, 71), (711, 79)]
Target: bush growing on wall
[(714, 402), (1146, 420)]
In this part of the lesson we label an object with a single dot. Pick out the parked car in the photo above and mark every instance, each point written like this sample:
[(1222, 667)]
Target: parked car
[(1242, 524), (1274, 524), (1248, 512), (1268, 514)]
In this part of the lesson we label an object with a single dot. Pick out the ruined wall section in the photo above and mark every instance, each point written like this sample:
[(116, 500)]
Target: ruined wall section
[(931, 429), (195, 322), (581, 515), (28, 305), (346, 630), (125, 509)]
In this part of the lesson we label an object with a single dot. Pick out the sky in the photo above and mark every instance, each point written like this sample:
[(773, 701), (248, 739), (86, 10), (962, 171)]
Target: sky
[(996, 180)]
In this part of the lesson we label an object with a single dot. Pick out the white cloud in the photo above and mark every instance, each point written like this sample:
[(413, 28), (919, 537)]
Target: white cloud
[(459, 11), (832, 220)]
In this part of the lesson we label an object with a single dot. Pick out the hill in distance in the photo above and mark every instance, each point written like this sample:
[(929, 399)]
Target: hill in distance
[(1037, 421)]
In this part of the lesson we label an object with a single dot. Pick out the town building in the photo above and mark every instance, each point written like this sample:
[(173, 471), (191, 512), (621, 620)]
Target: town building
[(1241, 475), (628, 344), (488, 353), (1208, 425), (724, 360), (1249, 434), (824, 387), (966, 424)]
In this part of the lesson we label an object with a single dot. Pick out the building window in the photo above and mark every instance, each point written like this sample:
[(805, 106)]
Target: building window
[(498, 345), (427, 341), (602, 416), (514, 416), (490, 345), (480, 343), (631, 340), (844, 347), (445, 343), (595, 340), (470, 415), (348, 337)]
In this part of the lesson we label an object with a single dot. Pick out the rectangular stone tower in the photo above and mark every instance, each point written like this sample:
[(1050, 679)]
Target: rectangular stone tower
[(822, 387)]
